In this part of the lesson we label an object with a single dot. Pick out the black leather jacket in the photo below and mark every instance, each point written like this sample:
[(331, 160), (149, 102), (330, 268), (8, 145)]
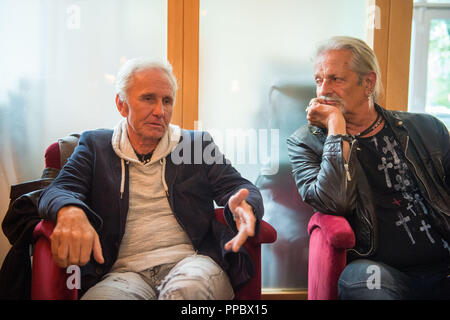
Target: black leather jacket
[(329, 185)]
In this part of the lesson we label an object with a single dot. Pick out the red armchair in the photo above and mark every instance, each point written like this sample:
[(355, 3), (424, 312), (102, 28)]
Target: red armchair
[(330, 237), (49, 282)]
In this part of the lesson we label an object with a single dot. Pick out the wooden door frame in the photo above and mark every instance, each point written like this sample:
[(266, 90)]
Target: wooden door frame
[(183, 54), (391, 35)]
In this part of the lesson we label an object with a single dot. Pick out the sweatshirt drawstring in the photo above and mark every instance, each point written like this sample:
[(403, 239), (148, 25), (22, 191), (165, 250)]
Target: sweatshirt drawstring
[(163, 173), (163, 180), (124, 150), (122, 179)]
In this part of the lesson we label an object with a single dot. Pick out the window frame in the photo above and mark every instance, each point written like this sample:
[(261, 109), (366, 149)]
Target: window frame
[(183, 54), (423, 14)]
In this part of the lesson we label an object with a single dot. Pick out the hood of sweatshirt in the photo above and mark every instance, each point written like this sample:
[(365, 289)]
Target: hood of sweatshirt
[(124, 150), (122, 146)]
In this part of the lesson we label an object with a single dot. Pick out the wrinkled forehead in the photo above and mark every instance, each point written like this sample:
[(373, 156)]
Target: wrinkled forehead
[(333, 61), (152, 77)]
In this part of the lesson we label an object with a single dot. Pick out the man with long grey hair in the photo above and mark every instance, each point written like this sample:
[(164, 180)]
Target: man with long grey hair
[(138, 221), (386, 172)]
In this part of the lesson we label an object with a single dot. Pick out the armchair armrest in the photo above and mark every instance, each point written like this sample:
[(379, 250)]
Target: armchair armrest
[(336, 230), (330, 236), (267, 234), (49, 282)]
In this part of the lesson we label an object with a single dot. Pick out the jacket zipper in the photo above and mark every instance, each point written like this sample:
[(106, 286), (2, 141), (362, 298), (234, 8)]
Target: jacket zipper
[(349, 178), (419, 177), (347, 171), (346, 167)]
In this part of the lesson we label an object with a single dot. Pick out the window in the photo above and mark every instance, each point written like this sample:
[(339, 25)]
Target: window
[(430, 59), (255, 80)]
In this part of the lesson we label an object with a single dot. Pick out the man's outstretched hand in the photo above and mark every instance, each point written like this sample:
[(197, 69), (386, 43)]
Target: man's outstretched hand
[(244, 217)]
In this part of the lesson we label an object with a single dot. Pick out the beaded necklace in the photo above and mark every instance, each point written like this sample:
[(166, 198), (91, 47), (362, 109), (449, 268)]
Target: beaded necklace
[(372, 127)]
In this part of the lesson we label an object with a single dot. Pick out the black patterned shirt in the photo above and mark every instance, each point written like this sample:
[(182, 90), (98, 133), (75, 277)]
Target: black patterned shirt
[(406, 237)]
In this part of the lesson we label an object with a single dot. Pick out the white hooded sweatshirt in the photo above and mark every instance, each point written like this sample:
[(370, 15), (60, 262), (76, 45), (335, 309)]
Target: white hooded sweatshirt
[(153, 235)]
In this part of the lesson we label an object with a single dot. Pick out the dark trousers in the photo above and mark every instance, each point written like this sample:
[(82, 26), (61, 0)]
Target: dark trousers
[(371, 280)]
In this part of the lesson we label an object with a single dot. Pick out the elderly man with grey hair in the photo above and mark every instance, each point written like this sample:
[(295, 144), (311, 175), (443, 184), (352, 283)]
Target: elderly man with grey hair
[(139, 221), (386, 172)]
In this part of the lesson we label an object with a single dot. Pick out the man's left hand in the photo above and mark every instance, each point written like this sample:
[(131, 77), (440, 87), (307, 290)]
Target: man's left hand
[(244, 217)]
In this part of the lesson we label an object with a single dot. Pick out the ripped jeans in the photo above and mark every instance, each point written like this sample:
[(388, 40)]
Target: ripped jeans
[(196, 277)]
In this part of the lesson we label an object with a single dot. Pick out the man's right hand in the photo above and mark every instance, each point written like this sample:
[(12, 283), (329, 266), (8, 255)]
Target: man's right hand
[(326, 114), (74, 239)]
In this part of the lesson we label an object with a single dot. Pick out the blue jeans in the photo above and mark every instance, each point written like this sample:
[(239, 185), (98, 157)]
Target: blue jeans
[(371, 280)]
